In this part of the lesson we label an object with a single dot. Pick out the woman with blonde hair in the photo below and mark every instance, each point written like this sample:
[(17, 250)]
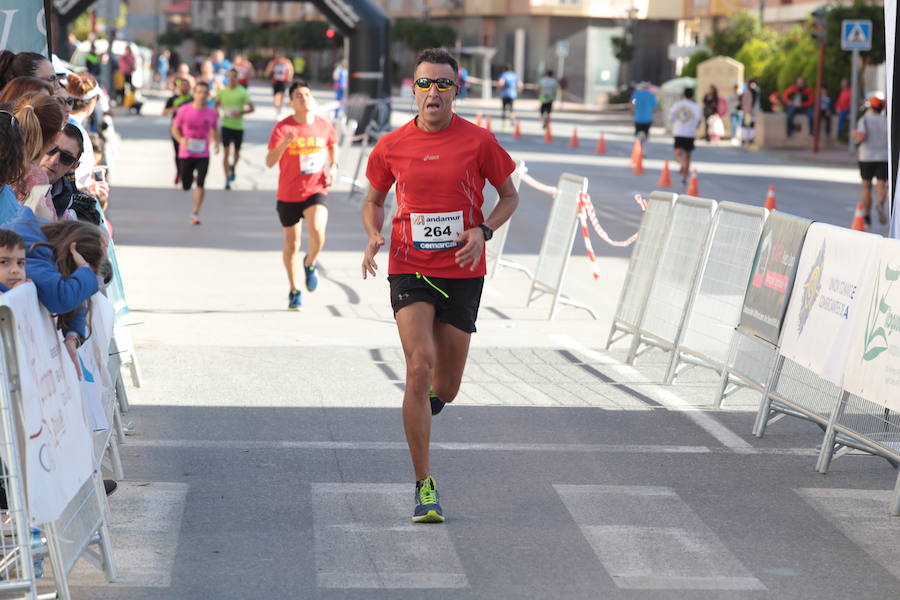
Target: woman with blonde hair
[(41, 119), (20, 86), (84, 92)]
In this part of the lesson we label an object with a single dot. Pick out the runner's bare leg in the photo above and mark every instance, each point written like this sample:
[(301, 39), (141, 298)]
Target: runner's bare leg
[(198, 199), (415, 323), (289, 252), (316, 217), (452, 350)]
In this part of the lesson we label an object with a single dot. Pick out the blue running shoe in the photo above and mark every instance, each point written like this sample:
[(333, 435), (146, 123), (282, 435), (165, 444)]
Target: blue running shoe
[(437, 405), (294, 302), (312, 278), (428, 507)]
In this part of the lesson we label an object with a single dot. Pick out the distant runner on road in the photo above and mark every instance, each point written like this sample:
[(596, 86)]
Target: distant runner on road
[(303, 145), (195, 128), (685, 116), (234, 100), (440, 163), (281, 71)]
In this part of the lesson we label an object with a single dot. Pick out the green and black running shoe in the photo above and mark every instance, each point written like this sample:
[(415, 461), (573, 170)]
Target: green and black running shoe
[(437, 405), (428, 507)]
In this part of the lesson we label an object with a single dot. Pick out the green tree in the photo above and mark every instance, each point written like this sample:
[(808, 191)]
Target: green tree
[(690, 69), (729, 40), (419, 36), (756, 54)]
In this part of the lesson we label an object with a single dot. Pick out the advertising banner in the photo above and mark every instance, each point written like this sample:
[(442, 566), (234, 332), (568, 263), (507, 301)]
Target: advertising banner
[(835, 267), (97, 385), (58, 445), (772, 279), (873, 364), (23, 26)]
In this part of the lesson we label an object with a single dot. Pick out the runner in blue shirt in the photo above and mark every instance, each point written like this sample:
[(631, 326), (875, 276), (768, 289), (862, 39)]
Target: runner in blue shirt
[(509, 85), (643, 103)]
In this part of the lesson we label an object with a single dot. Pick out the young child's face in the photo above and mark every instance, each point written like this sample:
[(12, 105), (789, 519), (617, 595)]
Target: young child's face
[(12, 266)]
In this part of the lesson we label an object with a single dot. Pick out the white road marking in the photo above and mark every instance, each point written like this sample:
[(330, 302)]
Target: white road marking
[(648, 538), (862, 516), (667, 398), (145, 528), (359, 543), (452, 446)]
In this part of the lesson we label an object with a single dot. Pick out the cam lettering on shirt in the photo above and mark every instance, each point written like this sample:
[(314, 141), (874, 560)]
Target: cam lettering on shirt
[(304, 145)]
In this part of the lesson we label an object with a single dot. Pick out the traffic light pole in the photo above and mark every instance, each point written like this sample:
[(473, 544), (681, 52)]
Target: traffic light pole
[(854, 99), (817, 101)]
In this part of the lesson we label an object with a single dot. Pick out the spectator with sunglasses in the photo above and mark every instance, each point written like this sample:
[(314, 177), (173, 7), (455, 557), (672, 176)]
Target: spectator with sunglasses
[(440, 163), (12, 163), (59, 163)]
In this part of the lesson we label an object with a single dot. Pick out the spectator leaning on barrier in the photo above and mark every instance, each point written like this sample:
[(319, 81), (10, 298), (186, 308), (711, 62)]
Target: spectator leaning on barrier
[(41, 118), (799, 99), (85, 94), (871, 134), (12, 163), (12, 260), (25, 64), (66, 261), (60, 164)]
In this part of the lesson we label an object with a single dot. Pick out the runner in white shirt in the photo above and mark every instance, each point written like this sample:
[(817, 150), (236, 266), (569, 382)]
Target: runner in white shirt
[(685, 116)]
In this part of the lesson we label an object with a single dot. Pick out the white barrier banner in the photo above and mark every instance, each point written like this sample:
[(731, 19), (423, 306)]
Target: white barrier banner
[(827, 300), (58, 448), (873, 366), (96, 381)]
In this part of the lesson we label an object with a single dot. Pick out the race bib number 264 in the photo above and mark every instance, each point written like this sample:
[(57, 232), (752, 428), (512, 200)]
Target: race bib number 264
[(436, 231)]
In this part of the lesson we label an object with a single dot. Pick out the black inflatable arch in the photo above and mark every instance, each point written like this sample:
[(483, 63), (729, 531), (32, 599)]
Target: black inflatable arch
[(368, 29)]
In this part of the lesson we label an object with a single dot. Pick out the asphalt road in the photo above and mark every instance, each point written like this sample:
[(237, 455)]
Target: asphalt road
[(269, 458)]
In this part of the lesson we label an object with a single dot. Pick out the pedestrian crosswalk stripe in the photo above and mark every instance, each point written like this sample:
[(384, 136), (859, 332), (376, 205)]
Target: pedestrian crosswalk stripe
[(364, 539), (648, 538)]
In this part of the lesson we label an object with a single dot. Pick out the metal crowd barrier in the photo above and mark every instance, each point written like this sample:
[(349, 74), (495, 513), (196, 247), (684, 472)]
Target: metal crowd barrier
[(715, 305), (494, 247), (556, 247), (754, 344), (642, 266), (679, 262)]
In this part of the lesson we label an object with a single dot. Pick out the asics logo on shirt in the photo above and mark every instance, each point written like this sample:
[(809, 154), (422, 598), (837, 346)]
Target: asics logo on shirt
[(431, 157)]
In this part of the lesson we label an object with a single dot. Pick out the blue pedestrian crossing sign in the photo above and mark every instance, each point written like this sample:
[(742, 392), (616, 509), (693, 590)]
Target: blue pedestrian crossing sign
[(856, 35)]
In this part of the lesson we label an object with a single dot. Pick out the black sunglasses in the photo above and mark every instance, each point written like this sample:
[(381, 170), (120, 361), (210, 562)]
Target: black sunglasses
[(443, 84), (66, 158)]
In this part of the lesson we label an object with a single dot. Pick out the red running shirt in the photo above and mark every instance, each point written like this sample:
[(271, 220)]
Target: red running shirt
[(440, 177), (301, 169)]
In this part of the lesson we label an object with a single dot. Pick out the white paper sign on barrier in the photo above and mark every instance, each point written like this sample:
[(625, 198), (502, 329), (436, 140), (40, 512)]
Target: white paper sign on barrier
[(97, 382), (827, 299), (58, 447), (873, 364)]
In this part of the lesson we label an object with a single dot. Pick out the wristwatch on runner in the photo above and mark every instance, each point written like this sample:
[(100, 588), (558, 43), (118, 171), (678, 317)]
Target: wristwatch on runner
[(488, 232)]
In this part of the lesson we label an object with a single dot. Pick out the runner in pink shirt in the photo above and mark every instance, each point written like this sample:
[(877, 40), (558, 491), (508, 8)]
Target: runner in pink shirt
[(195, 127)]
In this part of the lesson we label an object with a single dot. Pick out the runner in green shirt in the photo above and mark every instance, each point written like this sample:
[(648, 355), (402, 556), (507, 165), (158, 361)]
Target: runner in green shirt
[(234, 100)]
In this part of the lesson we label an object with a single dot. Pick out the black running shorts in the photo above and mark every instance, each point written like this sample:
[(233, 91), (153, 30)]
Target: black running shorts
[(685, 143), (232, 137), (546, 107), (278, 87), (456, 306), (876, 170), (188, 166), (290, 213), (640, 128)]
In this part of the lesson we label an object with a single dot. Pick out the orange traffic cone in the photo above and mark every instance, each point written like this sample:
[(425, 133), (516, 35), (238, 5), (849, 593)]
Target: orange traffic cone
[(517, 131), (637, 158), (693, 185), (770, 198), (478, 118), (487, 125), (573, 143), (601, 144), (665, 178), (859, 223), (548, 136)]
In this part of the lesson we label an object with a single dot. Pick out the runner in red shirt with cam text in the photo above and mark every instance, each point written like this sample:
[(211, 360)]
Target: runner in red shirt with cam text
[(303, 146), (439, 163)]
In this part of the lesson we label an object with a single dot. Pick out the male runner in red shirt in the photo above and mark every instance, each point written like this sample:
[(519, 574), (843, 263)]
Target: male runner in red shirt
[(440, 163), (302, 145)]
